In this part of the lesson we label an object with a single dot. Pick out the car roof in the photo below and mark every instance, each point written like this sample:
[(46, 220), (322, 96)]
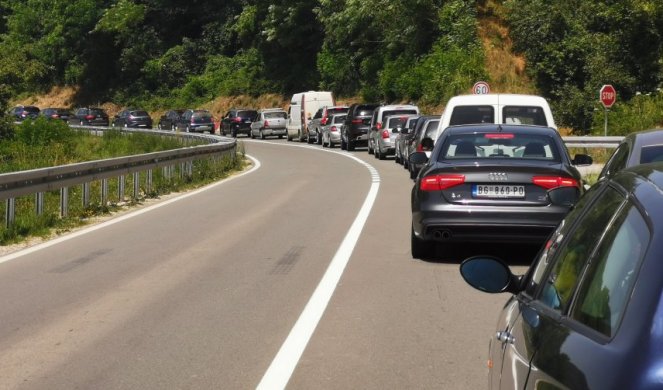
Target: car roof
[(271, 109), (497, 98)]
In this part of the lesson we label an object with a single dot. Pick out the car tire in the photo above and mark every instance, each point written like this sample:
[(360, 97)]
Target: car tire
[(173, 127), (344, 146), (82, 123), (252, 135), (350, 146), (262, 135), (233, 133), (280, 136), (318, 138), (309, 140), (421, 249)]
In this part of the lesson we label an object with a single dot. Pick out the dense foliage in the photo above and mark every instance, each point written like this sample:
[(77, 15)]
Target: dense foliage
[(159, 53)]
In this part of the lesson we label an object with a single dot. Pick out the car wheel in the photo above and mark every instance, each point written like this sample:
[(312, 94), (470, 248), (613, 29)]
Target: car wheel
[(126, 125), (421, 249), (350, 146), (344, 146), (318, 137), (262, 135), (82, 123), (309, 140), (251, 135), (233, 133), (280, 136), (173, 127)]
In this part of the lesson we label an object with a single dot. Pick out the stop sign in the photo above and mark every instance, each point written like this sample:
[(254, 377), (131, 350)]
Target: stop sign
[(607, 95)]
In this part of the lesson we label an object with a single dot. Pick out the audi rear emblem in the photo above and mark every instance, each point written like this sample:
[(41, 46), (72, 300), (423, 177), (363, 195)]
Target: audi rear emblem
[(497, 176)]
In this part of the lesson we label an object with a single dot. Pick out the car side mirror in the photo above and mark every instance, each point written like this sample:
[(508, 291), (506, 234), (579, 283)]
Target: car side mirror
[(417, 158), (427, 144), (564, 196), (489, 274), (582, 159)]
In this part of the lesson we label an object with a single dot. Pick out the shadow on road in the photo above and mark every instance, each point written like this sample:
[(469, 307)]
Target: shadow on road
[(512, 254)]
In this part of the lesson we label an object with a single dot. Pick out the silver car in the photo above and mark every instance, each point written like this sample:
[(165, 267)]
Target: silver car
[(331, 132), (269, 122), (384, 140)]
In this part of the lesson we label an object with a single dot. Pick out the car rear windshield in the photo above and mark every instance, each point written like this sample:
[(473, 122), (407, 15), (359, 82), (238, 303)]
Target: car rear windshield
[(364, 110), (482, 145), (30, 109), (339, 118), (398, 112), (139, 113), (96, 111), (651, 154), (202, 115), (431, 128), (396, 121), (247, 114), (275, 114), (524, 115), (471, 115), (338, 110)]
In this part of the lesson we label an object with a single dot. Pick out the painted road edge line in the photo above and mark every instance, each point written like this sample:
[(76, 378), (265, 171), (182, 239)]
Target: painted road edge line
[(279, 372), (130, 214)]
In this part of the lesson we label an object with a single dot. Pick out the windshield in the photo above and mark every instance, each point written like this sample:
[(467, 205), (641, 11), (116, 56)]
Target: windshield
[(275, 115), (469, 115), (500, 145), (524, 115)]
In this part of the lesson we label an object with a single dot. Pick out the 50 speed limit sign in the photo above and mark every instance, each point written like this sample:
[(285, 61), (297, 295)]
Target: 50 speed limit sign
[(481, 88)]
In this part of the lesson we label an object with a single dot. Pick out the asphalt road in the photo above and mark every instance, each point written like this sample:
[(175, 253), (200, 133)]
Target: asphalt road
[(202, 292)]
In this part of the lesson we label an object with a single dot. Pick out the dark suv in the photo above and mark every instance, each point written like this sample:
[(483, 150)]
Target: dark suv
[(238, 121), (89, 116), (133, 118), (20, 113), (354, 131)]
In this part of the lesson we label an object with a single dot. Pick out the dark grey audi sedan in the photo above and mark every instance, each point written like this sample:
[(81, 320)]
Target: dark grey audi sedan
[(588, 314), (492, 183)]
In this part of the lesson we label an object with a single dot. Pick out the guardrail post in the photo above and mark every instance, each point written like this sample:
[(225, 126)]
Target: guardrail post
[(121, 181), (10, 212), (64, 202), (86, 194), (189, 168), (136, 184), (39, 203), (182, 173), (148, 183), (104, 192)]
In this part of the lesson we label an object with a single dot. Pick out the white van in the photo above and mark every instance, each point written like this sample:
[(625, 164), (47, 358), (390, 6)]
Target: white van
[(302, 107), (496, 108)]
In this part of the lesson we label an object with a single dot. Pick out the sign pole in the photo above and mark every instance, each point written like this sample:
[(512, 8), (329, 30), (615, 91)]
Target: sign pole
[(605, 132)]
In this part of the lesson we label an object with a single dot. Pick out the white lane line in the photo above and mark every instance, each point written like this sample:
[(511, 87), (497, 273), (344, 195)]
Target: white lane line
[(38, 247), (279, 372)]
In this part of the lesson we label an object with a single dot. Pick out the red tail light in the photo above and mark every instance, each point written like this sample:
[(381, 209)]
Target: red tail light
[(550, 182), (385, 134), (441, 182), (266, 124), (333, 128), (379, 126), (420, 148), (55, 116), (237, 120), (323, 121), (88, 117), (357, 121)]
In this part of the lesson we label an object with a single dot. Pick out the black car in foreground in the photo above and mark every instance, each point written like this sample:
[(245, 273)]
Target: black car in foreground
[(588, 314), (491, 183)]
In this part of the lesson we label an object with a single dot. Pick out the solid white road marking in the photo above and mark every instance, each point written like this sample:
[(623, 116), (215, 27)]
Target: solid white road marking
[(279, 372), (38, 247)]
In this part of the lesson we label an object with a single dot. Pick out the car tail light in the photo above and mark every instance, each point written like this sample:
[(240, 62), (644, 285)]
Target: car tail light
[(420, 148), (88, 117), (441, 182), (323, 121), (385, 134), (237, 120), (550, 182), (379, 126), (333, 128), (54, 116), (357, 121), (266, 124)]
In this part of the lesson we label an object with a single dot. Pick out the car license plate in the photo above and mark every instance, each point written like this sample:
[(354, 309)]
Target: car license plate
[(497, 191)]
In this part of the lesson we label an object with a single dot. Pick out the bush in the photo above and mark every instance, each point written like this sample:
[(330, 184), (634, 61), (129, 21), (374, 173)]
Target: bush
[(43, 132)]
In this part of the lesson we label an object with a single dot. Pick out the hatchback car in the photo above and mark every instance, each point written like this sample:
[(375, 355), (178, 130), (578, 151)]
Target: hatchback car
[(378, 118), (89, 116), (269, 122), (319, 120), (384, 141), (168, 121), (636, 148), (198, 121), (491, 183), (62, 114), (588, 312), (238, 121), (132, 118), (331, 132), (355, 130), (20, 113)]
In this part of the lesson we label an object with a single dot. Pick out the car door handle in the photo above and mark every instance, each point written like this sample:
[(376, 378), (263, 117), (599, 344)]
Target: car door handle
[(505, 337)]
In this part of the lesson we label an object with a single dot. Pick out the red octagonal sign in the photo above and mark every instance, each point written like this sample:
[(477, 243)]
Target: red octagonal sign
[(608, 95)]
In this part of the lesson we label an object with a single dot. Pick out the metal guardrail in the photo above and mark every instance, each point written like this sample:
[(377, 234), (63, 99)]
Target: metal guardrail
[(592, 142), (39, 181)]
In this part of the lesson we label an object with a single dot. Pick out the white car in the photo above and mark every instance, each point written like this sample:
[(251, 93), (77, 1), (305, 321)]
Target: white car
[(377, 121)]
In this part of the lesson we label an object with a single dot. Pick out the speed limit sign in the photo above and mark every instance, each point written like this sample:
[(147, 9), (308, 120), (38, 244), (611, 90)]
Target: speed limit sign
[(481, 88)]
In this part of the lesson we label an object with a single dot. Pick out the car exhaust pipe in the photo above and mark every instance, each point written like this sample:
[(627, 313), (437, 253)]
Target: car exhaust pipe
[(442, 235)]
